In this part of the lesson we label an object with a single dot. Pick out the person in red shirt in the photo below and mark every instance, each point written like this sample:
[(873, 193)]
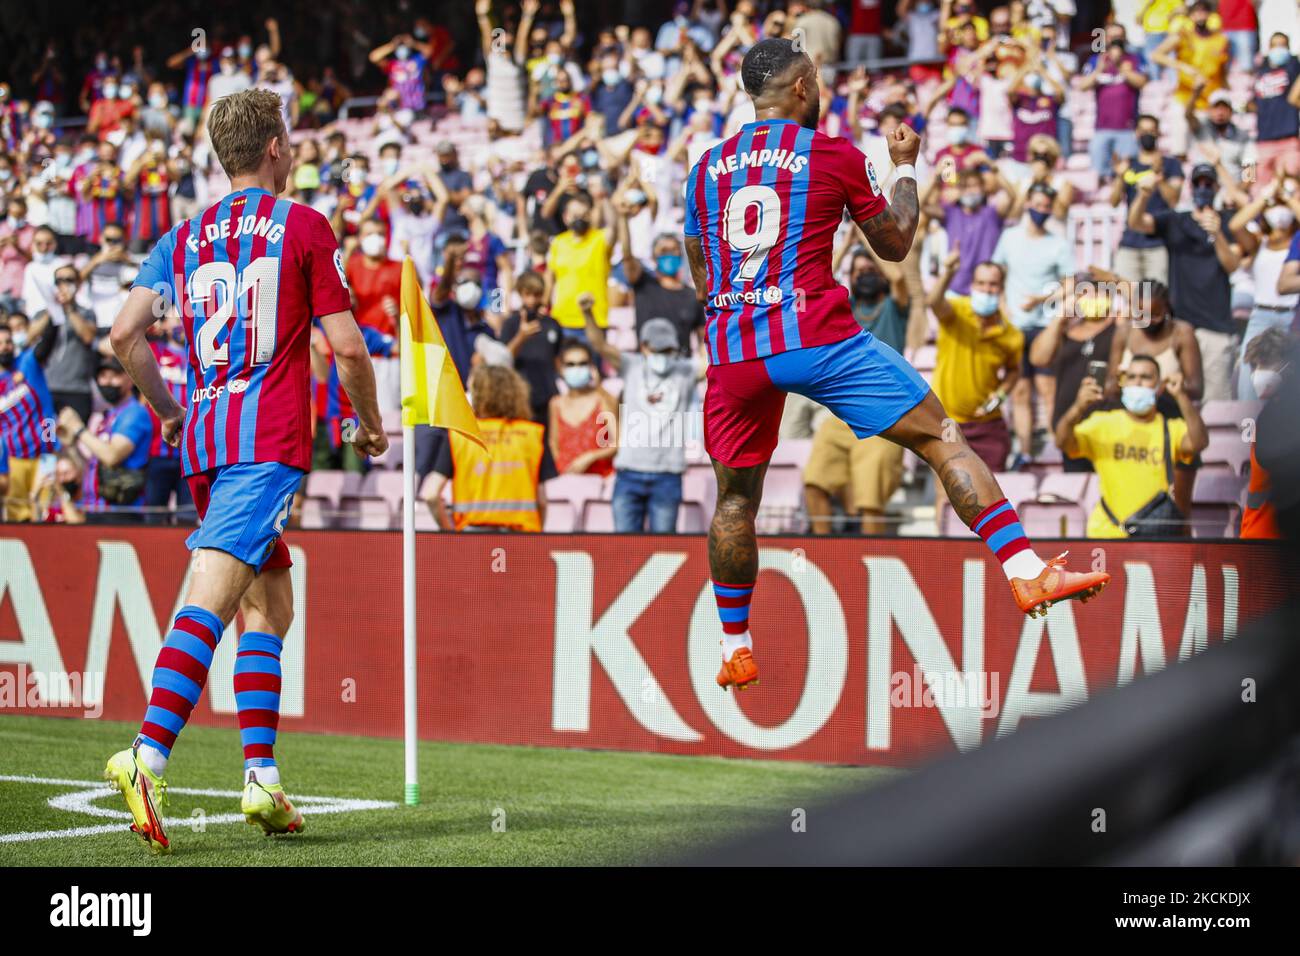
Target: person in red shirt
[(864, 42), (107, 112), (1242, 27), (376, 280)]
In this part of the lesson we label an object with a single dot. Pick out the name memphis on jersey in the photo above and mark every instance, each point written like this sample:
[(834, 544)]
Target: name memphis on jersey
[(251, 225), (786, 159)]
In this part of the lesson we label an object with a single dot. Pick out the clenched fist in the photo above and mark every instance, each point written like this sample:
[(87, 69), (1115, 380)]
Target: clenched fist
[(904, 145)]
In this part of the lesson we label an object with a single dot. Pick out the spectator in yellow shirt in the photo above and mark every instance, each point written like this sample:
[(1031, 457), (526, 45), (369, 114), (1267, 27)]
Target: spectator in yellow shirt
[(1199, 53), (1155, 18), (978, 360), (578, 262), (1127, 445)]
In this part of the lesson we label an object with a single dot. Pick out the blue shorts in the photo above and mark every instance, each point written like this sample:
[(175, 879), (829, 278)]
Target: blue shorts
[(243, 509), (864, 382)]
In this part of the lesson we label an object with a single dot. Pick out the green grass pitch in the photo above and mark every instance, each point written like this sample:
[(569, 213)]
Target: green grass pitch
[(480, 804)]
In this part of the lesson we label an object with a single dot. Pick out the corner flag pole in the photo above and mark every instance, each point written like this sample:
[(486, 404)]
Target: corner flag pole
[(408, 614)]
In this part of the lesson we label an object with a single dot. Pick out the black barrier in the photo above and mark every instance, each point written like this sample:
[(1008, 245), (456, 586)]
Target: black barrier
[(1093, 785)]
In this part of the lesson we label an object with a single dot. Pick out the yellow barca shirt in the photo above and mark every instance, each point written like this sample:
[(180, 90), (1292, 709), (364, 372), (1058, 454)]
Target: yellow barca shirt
[(1208, 56), (969, 359), (1129, 457), (579, 264)]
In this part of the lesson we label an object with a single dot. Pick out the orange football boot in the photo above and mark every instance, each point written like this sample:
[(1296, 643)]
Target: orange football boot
[(740, 671), (1056, 584)]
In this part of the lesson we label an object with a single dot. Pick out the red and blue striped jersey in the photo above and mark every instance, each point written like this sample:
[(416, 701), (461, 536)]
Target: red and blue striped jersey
[(173, 363), (153, 215), (246, 277), (765, 205), (565, 113), (26, 409), (194, 94)]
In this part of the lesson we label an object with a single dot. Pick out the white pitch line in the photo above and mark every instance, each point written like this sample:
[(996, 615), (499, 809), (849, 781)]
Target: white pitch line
[(91, 790)]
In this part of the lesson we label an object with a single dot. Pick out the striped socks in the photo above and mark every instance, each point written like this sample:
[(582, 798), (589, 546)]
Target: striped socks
[(257, 698), (733, 608), (999, 527), (178, 679)]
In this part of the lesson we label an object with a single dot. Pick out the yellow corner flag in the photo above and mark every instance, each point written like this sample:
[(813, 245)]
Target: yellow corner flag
[(432, 393)]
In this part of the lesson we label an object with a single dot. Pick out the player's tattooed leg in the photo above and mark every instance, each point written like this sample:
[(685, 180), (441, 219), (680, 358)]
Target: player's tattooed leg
[(959, 474), (733, 542)]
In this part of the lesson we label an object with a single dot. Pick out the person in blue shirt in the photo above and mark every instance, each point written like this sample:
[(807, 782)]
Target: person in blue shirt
[(120, 441)]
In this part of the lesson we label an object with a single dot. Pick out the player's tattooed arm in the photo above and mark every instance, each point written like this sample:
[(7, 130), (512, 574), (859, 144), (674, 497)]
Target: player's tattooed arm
[(695, 256), (891, 231)]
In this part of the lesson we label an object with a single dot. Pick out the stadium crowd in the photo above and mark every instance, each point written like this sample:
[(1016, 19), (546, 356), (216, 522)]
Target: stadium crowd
[(1103, 287)]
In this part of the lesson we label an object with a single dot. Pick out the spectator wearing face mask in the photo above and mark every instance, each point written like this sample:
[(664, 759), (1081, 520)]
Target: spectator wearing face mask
[(1269, 357), (102, 191), (416, 200), (26, 417), (1219, 141), (58, 493), (1265, 228), (150, 178), (1277, 101), (563, 112), (578, 263), (1198, 55), (534, 339), (1202, 258), (1133, 449), (38, 276), (116, 451), (504, 54), (979, 357), (104, 273), (404, 59), (960, 154), (64, 342), (1039, 269), (198, 73), (375, 280), (1150, 330), (156, 118), (1076, 345), (973, 223), (1117, 79), (583, 426), (862, 473), (661, 293), (1043, 157), (486, 252), (16, 235), (503, 490), (658, 391), (917, 28), (1035, 97), (107, 113), (231, 77), (611, 93), (1142, 256)]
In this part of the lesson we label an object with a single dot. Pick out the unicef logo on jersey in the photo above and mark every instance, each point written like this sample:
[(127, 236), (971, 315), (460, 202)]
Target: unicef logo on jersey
[(773, 295), (238, 385)]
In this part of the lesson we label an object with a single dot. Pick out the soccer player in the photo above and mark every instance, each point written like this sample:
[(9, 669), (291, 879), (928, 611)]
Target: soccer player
[(246, 277), (762, 209)]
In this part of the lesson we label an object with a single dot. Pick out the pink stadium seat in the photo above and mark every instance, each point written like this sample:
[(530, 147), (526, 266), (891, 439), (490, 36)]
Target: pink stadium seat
[(391, 459), (1227, 448), (1052, 520), (314, 513), (576, 490), (1215, 520), (327, 485), (1063, 486), (560, 517), (622, 317), (597, 517), (375, 514), (392, 419), (791, 451), (1018, 486), (1227, 413), (386, 485), (1218, 487)]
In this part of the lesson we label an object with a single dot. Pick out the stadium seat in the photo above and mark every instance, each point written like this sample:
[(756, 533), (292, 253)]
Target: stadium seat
[(1063, 486), (1218, 487), (1018, 486), (332, 486), (386, 485), (597, 517), (575, 490), (792, 451), (1215, 520), (1228, 413), (315, 513), (1061, 519), (376, 514), (561, 517), (390, 460), (392, 419), (1227, 447)]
